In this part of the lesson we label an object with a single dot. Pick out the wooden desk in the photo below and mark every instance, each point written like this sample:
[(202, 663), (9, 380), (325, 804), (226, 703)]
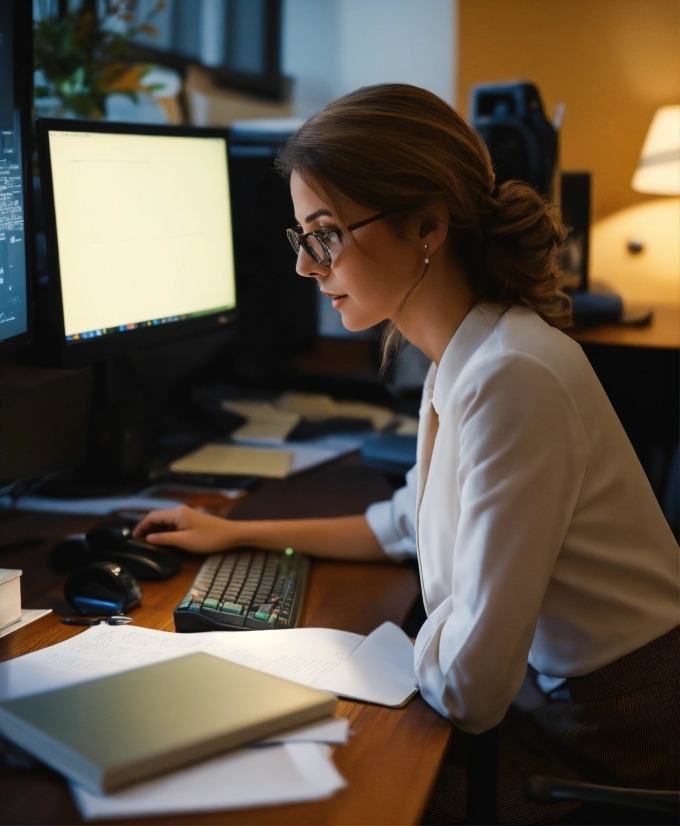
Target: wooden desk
[(391, 762), (663, 332)]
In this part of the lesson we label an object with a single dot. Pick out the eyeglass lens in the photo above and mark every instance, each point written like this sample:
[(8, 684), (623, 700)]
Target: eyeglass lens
[(312, 246), (317, 250)]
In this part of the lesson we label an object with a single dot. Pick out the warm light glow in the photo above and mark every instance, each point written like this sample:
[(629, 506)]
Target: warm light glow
[(658, 171), (651, 275)]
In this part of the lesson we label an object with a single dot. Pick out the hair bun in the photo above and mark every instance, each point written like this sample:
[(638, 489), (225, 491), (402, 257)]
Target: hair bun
[(522, 234)]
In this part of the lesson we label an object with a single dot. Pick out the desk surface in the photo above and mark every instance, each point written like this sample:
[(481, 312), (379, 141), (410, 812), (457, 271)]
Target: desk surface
[(393, 758), (662, 332)]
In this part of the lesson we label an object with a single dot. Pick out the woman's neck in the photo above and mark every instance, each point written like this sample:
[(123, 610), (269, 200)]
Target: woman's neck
[(437, 309)]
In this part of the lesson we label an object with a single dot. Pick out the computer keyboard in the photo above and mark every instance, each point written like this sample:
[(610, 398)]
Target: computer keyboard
[(243, 590)]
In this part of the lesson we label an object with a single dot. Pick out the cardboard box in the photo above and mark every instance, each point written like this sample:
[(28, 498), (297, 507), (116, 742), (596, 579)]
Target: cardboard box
[(210, 105), (10, 597)]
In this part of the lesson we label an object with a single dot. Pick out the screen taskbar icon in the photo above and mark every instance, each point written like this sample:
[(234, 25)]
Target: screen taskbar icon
[(139, 325)]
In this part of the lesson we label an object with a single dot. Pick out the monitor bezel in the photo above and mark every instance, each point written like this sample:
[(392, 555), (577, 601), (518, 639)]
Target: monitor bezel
[(93, 350), (22, 67)]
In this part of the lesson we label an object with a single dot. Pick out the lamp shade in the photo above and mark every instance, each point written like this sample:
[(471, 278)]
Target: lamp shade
[(658, 170)]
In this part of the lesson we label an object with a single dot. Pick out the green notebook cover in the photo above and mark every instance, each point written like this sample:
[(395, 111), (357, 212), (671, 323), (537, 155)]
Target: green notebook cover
[(117, 730)]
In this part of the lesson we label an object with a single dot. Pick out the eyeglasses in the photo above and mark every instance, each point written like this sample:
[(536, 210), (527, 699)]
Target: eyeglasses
[(320, 243)]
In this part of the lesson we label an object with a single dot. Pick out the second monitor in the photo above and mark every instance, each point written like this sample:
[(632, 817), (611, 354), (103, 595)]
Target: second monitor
[(139, 235)]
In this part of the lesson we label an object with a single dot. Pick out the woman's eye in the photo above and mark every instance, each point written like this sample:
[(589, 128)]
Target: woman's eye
[(333, 236)]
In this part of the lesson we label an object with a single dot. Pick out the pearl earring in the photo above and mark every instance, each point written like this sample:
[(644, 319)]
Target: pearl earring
[(427, 257)]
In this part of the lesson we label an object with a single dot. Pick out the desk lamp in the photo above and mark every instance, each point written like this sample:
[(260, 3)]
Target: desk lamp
[(658, 170), (636, 251)]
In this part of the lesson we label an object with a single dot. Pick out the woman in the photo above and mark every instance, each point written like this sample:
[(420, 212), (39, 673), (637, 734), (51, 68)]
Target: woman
[(538, 537)]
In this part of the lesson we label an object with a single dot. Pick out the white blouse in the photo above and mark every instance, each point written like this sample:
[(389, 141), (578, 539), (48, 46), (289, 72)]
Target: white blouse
[(537, 533)]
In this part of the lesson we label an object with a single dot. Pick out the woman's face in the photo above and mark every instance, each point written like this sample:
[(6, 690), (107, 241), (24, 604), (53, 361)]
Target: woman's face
[(368, 279)]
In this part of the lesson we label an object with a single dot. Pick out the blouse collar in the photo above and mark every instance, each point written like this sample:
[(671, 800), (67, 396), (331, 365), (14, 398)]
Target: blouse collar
[(474, 329)]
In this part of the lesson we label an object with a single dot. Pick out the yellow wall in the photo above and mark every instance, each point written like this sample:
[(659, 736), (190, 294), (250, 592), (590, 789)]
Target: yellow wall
[(613, 62)]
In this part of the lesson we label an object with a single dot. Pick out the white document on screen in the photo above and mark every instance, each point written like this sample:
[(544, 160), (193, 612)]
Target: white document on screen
[(376, 669)]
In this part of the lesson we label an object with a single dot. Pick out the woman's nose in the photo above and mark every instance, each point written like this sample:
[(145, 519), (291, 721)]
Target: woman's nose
[(307, 266)]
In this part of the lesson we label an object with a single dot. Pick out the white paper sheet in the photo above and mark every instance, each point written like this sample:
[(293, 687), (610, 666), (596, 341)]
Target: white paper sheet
[(290, 773), (318, 406), (334, 730), (380, 670), (28, 615), (381, 673), (407, 426), (269, 462), (313, 452), (265, 422)]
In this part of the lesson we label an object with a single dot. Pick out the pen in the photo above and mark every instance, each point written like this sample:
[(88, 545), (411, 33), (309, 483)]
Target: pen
[(115, 620)]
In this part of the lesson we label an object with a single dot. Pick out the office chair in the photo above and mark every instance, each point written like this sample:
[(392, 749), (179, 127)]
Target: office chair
[(550, 790), (482, 777)]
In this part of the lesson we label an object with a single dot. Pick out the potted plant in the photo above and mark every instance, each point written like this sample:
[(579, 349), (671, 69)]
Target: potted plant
[(81, 57)]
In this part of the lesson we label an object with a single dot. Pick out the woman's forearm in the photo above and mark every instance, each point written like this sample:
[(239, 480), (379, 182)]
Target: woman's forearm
[(344, 537)]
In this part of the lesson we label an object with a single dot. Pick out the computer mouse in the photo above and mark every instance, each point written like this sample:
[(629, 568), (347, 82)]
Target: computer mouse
[(113, 541), (73, 552), (102, 588), (109, 535)]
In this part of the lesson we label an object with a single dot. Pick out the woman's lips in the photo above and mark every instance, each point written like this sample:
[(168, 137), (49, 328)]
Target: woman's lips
[(336, 300)]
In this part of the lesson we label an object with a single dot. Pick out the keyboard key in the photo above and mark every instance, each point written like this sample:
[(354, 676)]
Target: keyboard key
[(263, 612), (224, 618), (231, 608)]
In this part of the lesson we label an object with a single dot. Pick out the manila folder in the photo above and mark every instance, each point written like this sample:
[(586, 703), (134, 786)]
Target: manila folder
[(117, 730)]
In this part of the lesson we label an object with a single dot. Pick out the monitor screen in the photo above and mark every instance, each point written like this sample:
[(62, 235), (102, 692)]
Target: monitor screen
[(142, 232), (15, 105)]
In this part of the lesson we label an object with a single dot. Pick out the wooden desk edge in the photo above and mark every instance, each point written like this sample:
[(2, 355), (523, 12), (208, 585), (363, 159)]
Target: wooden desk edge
[(663, 332), (403, 747)]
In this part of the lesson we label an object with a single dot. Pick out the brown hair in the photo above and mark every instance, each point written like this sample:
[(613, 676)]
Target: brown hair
[(395, 146)]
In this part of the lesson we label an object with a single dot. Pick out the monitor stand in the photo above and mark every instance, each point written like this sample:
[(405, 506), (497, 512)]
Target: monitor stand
[(121, 425)]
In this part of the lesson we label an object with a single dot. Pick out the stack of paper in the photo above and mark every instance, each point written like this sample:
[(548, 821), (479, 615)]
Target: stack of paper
[(233, 459), (276, 775), (317, 407), (287, 768), (375, 669), (266, 459), (265, 421)]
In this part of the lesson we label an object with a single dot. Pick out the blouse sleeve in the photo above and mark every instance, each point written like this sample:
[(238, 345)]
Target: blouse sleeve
[(393, 521), (522, 458)]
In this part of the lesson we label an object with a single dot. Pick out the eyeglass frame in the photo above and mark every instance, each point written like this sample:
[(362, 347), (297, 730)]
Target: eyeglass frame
[(299, 238)]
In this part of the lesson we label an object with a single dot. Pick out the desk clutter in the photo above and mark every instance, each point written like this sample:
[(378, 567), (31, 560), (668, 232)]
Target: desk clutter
[(290, 763), (114, 731), (288, 434), (12, 616), (10, 597)]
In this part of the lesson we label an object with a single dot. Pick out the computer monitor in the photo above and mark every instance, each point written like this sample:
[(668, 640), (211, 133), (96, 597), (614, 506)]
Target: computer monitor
[(16, 257), (139, 235)]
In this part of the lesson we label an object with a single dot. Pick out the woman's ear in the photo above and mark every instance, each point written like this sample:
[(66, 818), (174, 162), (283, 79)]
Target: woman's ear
[(433, 227)]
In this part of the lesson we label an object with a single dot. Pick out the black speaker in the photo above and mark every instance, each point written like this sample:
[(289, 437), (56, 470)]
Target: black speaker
[(277, 315), (521, 140), (575, 205)]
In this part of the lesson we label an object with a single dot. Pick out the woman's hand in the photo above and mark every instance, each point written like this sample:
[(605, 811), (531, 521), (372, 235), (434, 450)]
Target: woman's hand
[(187, 529)]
